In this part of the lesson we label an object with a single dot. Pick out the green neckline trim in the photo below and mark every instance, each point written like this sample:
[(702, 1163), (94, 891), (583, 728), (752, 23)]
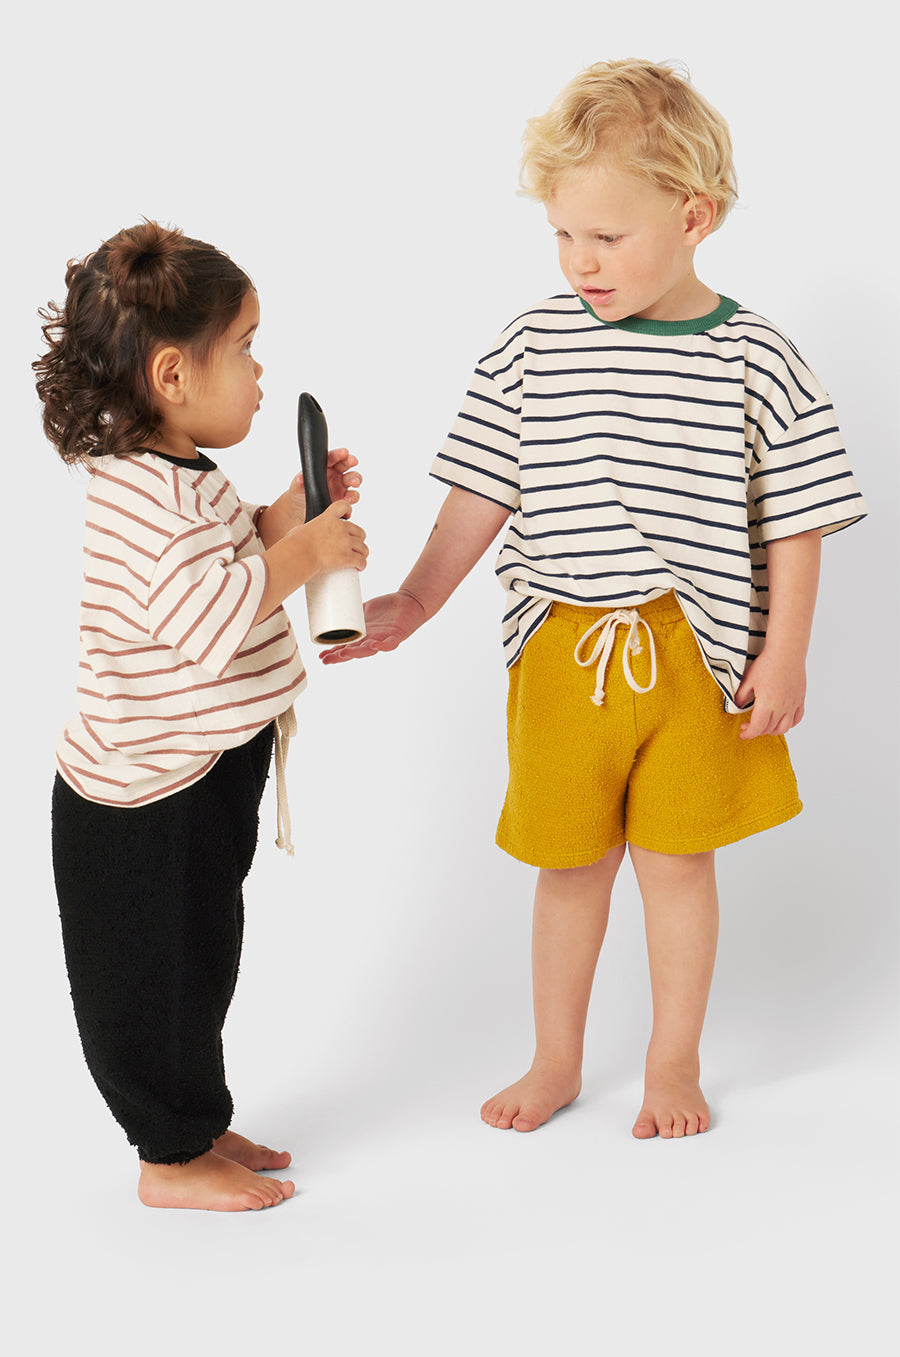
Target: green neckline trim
[(724, 311)]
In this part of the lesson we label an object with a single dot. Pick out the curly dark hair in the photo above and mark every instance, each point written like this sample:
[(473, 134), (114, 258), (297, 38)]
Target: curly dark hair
[(147, 286)]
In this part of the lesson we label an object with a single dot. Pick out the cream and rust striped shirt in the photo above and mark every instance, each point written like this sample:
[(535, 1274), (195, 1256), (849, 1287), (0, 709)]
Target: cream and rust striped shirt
[(172, 670), (648, 456)]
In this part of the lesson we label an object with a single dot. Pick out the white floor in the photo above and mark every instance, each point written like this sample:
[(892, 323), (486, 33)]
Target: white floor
[(418, 1232)]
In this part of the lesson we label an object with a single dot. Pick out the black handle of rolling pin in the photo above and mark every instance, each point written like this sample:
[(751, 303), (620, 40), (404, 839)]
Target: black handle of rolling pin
[(312, 436)]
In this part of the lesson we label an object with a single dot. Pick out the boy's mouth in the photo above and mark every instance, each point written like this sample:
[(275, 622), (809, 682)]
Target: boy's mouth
[(598, 296)]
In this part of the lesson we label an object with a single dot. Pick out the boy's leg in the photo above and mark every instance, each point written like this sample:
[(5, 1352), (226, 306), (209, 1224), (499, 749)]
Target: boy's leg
[(681, 916), (571, 910)]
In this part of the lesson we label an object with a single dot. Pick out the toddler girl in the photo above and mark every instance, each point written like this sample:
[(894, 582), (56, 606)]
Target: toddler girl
[(187, 672)]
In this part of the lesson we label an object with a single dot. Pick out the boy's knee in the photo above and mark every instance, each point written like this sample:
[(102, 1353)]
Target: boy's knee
[(674, 866), (609, 863)]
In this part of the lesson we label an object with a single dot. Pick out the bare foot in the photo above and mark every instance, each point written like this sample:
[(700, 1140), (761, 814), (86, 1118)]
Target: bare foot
[(531, 1101), (252, 1156), (673, 1103), (210, 1183)]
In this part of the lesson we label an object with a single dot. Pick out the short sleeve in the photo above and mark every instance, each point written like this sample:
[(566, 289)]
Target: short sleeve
[(202, 601), (802, 480), (481, 452)]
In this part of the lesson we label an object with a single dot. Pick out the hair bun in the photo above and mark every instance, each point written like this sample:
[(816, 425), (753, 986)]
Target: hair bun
[(145, 266)]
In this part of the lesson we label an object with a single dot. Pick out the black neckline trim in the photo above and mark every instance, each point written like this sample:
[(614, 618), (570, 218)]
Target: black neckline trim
[(201, 462)]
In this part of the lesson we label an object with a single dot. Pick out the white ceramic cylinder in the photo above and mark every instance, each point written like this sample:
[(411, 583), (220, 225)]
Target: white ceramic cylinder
[(334, 606)]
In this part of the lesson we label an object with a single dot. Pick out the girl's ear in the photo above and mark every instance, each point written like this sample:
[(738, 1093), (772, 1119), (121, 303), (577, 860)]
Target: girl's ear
[(168, 375), (699, 218)]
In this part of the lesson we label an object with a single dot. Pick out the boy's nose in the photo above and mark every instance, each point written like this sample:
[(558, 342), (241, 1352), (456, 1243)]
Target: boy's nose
[(585, 261)]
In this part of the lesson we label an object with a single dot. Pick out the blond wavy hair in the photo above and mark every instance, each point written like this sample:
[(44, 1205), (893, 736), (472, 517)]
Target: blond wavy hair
[(645, 119)]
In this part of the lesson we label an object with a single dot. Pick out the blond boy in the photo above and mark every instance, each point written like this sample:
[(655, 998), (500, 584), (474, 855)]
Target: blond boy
[(670, 465)]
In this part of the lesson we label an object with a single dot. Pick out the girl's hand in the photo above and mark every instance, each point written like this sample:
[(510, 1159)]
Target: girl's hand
[(331, 541), (289, 510), (778, 686), (342, 480), (390, 619)]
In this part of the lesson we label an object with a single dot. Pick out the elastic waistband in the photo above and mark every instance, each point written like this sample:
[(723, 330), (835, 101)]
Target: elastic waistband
[(664, 608)]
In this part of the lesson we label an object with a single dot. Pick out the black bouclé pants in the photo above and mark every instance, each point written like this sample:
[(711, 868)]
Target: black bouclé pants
[(150, 899)]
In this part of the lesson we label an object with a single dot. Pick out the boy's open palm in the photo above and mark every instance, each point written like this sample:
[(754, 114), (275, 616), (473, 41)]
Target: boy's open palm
[(390, 619)]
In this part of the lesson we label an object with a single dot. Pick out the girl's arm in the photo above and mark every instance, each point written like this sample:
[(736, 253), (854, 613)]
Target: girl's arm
[(465, 528), (776, 679), (329, 542), (297, 550)]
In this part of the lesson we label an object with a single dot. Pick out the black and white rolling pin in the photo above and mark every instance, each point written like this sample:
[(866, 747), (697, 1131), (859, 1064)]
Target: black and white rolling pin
[(333, 598)]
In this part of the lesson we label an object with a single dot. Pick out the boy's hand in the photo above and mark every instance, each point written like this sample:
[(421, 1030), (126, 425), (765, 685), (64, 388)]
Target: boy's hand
[(465, 528), (778, 685), (390, 619)]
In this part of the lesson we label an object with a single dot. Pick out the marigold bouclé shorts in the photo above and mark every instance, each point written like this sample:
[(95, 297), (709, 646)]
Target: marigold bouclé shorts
[(664, 769)]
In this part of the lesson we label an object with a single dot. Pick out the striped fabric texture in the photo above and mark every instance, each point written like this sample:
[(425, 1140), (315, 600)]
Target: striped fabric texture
[(649, 456), (172, 670)]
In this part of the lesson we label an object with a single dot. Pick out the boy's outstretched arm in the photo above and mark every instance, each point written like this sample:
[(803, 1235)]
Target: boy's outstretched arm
[(465, 528), (776, 679)]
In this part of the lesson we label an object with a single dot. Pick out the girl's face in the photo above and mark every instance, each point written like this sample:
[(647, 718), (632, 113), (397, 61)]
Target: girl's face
[(211, 404), (224, 395), (627, 247)]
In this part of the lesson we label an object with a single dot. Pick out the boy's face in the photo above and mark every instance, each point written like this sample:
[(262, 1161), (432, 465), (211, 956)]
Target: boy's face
[(627, 247)]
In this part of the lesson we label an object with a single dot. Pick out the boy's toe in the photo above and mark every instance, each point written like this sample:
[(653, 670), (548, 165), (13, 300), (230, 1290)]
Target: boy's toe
[(495, 1115), (644, 1128), (526, 1121)]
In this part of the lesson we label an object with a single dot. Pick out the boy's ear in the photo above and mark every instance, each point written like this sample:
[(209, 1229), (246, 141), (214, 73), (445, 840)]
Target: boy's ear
[(699, 218), (168, 375)]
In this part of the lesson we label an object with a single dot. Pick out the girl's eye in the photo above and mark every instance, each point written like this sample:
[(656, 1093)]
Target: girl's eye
[(562, 235), (609, 240)]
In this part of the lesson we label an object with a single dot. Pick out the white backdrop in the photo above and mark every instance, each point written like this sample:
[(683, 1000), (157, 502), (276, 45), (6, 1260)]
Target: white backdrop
[(360, 162)]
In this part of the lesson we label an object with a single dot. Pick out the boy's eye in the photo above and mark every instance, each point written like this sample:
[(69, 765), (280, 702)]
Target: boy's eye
[(604, 239)]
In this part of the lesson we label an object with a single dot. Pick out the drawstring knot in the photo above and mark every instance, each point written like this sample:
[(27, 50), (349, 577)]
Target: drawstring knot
[(605, 639)]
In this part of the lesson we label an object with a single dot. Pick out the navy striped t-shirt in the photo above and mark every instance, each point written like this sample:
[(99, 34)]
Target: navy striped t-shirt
[(648, 456)]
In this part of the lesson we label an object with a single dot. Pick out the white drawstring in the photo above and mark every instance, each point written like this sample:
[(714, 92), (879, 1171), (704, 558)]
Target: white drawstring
[(606, 629), (285, 730)]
